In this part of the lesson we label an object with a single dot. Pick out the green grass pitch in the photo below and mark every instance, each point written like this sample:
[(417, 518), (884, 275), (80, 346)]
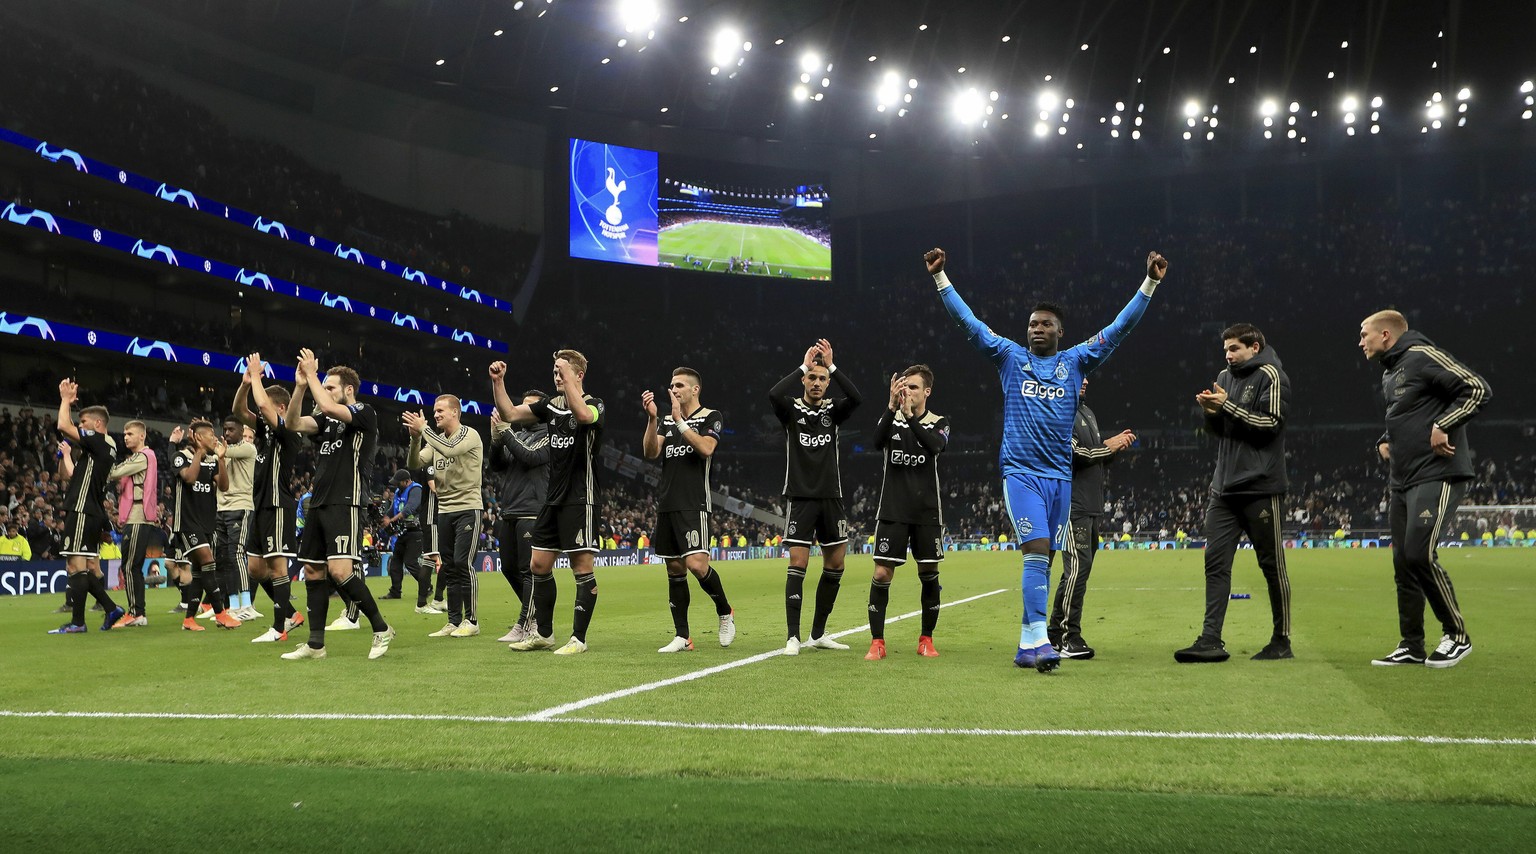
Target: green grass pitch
[(160, 739), (797, 255)]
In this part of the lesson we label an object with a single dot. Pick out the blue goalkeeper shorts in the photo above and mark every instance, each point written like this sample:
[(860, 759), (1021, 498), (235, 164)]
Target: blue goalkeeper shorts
[(1040, 507)]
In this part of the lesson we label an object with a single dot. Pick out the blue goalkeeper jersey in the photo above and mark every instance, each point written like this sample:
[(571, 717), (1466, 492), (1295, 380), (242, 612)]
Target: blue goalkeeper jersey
[(1040, 392)]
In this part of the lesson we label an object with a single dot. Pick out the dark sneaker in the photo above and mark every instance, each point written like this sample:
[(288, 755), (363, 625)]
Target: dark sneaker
[(68, 629), (390, 595), (1449, 653), (1025, 658), (1275, 650), (1046, 658), (1077, 650), (112, 617), (1203, 650), (1401, 655)]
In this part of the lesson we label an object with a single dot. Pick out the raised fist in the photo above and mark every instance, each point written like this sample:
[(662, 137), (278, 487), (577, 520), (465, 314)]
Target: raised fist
[(934, 258)]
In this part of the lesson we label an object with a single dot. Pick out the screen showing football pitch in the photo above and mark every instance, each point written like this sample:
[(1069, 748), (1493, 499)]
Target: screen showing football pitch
[(655, 209)]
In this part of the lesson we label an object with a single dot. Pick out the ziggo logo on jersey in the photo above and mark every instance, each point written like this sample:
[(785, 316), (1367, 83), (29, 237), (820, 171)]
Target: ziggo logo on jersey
[(815, 441), (1036, 389), (678, 451), (902, 458), (562, 442)]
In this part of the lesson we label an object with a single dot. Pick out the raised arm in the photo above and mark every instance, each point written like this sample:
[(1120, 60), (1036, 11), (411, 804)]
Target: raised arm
[(1099, 348), (294, 418), (933, 436), (323, 400), (650, 443), (784, 391), (68, 392), (241, 408), (512, 413), (980, 335), (221, 477)]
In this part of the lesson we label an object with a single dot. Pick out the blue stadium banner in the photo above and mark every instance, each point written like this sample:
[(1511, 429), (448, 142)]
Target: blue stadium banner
[(53, 224), (149, 348), (613, 203), (265, 225), (20, 577)]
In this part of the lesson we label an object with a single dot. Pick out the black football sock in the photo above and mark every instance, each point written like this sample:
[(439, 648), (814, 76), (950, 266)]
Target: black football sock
[(930, 599), (79, 589), (678, 598), (794, 597), (709, 582), (423, 573), (826, 597), (281, 591), (191, 594), (98, 589), (318, 594), (442, 582), (544, 595), (586, 603), (879, 597), (213, 593), (362, 599)]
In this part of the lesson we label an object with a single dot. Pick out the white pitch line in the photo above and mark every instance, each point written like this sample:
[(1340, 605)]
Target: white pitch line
[(799, 728), (565, 708)]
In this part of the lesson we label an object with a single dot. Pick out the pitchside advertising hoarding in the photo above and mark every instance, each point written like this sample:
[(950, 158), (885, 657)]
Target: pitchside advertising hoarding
[(21, 577)]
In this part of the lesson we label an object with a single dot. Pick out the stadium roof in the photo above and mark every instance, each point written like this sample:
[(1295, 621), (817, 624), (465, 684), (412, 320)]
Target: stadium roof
[(922, 73)]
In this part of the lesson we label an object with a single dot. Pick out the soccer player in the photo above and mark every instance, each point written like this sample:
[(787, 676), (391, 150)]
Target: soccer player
[(1090, 455), (813, 485), (138, 514), (521, 456), (1041, 384), (333, 531), (1245, 410), (200, 470), (565, 524), (85, 513), (454, 452), (911, 437), (685, 440), (272, 541), (235, 505), (1430, 396)]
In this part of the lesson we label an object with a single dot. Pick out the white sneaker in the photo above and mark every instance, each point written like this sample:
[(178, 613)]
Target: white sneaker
[(206, 615), (342, 624), (289, 623), (270, 636), (446, 631), (728, 629), (678, 644), (466, 629), (572, 647), (518, 633), (534, 641), (792, 646), (440, 605), (251, 614), (825, 642), (305, 651), (381, 643), (428, 609)]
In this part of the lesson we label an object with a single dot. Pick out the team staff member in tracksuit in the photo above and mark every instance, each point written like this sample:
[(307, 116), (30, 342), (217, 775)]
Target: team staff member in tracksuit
[(1090, 455), (1245, 409), (138, 512), (405, 516), (521, 456), (236, 506), (456, 454), (1430, 398)]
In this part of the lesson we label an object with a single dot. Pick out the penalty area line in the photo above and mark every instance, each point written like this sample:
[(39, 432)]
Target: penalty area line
[(567, 708), (1171, 735)]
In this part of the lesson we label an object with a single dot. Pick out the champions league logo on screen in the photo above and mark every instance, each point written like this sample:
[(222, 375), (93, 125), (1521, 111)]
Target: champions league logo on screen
[(613, 203)]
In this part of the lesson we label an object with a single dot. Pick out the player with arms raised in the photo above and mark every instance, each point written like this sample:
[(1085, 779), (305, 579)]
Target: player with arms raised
[(1041, 384)]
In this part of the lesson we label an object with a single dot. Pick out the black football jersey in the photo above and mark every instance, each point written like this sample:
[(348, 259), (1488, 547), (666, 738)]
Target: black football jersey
[(87, 486), (276, 450), (811, 456), (196, 507), (345, 457), (909, 488), (573, 450), (684, 473)]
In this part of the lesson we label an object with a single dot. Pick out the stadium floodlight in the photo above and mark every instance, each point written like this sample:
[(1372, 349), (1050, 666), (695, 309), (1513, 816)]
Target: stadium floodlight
[(1191, 108), (809, 62), (1041, 129), (801, 93), (1295, 107), (1268, 108), (1119, 106), (726, 44), (889, 90), (638, 15), (1436, 111), (1464, 95), (1135, 134), (969, 106), (1048, 100), (1527, 87), (912, 83), (1376, 103), (1349, 104)]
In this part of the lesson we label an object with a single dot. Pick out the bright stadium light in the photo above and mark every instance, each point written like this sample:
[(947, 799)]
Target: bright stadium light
[(725, 47), (1268, 108), (969, 106), (801, 93), (889, 91), (1527, 87), (1048, 100), (1464, 95), (1191, 108), (638, 15), (1436, 111), (1376, 103), (810, 62), (1041, 129), (1349, 104)]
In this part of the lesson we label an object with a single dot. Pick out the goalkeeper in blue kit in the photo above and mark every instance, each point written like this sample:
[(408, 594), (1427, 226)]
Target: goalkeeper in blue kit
[(1040, 389)]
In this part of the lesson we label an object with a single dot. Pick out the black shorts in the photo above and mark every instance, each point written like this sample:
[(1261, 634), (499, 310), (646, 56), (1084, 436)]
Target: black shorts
[(82, 535), (333, 532), (515, 535), (816, 520), (892, 539), (184, 543), (459, 534), (271, 533), (681, 533), (565, 528)]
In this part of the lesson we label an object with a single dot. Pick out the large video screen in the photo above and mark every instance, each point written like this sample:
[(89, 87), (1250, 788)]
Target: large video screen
[(657, 209)]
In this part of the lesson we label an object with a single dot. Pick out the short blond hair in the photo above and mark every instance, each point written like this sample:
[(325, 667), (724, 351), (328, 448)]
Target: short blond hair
[(457, 406), (574, 357), (1389, 319)]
